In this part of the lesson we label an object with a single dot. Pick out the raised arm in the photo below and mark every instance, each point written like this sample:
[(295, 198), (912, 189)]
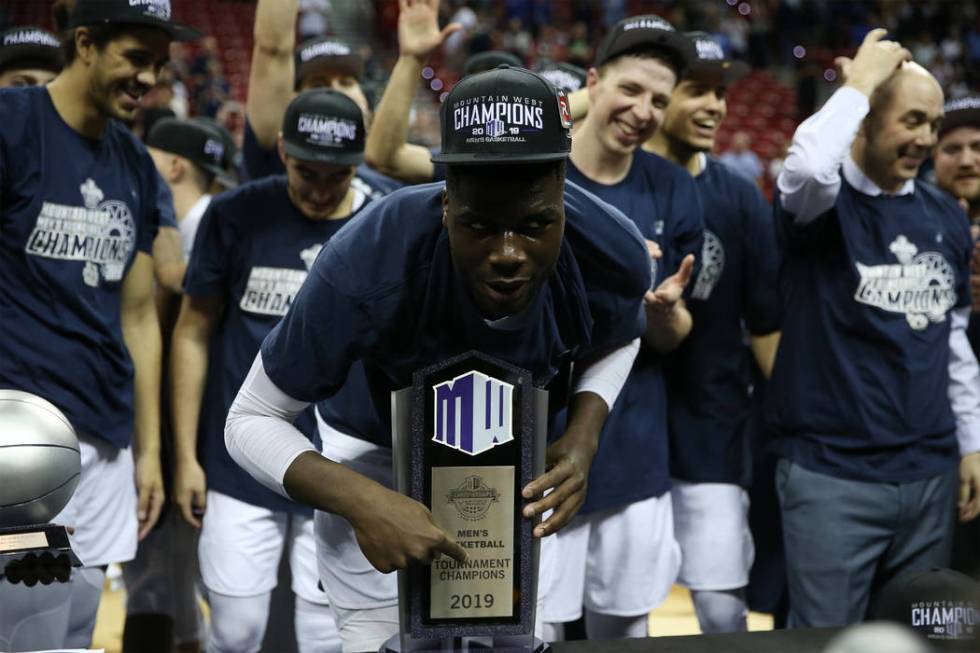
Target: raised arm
[(810, 179), (141, 332), (386, 148), (270, 82)]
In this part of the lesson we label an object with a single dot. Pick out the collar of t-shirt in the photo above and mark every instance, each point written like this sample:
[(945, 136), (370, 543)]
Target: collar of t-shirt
[(702, 163), (513, 322), (861, 183)]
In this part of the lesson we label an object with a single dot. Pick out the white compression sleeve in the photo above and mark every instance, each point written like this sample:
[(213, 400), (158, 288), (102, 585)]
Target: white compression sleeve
[(259, 431), (606, 376)]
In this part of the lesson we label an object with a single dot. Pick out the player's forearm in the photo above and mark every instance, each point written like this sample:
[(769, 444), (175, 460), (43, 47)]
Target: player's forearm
[(587, 413), (389, 131), (168, 259), (141, 332), (270, 83), (666, 332), (317, 481), (188, 374)]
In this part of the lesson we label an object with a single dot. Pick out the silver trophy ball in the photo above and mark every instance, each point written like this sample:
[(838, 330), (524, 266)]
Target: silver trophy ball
[(40, 461)]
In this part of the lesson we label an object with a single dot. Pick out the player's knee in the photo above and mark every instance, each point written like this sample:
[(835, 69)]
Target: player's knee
[(721, 611), (237, 623)]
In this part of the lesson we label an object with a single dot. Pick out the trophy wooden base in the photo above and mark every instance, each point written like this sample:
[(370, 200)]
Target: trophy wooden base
[(499, 644)]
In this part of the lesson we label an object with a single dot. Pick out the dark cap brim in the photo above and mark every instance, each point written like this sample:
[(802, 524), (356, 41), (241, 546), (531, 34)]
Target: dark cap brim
[(675, 42), (176, 31), (321, 155), (482, 158), (728, 70)]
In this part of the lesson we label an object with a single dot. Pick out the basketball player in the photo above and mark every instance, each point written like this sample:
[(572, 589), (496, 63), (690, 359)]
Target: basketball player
[(620, 554), (874, 391), (161, 595), (504, 258), (255, 247), (79, 210), (706, 375), (279, 71)]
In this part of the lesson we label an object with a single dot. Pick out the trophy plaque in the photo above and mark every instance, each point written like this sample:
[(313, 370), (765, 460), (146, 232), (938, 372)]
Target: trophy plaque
[(467, 437)]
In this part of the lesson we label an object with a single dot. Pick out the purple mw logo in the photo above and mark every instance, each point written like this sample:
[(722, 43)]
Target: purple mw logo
[(473, 413)]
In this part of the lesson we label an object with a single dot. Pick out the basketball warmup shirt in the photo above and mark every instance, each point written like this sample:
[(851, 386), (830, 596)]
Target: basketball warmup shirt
[(259, 162), (254, 249), (631, 463), (859, 389), (73, 213), (385, 292), (708, 375)]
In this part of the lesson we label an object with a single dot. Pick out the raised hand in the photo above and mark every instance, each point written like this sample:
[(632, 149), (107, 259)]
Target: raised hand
[(874, 62), (418, 28)]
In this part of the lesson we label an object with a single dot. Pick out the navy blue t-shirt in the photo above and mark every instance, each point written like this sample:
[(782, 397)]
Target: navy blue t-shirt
[(253, 249), (859, 389), (259, 162), (708, 376), (73, 213), (385, 292), (631, 463)]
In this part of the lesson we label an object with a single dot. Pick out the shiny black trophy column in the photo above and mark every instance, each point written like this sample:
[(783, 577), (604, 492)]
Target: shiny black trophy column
[(467, 436)]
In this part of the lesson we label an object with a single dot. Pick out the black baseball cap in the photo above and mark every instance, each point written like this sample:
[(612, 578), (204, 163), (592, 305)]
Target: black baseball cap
[(326, 126), (490, 59), (963, 112), (200, 144), (505, 115), (710, 59), (143, 13), (940, 604), (326, 53), (30, 47), (638, 32), (229, 162), (565, 76)]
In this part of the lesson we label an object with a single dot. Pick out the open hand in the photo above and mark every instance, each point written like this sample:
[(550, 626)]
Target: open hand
[(567, 461), (874, 62), (663, 300), (418, 27)]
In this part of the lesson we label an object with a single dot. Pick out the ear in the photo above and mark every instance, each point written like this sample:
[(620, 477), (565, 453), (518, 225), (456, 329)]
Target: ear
[(281, 149), (445, 206), (176, 169), (592, 80), (85, 49)]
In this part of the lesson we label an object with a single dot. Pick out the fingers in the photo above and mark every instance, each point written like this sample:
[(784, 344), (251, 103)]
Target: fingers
[(451, 548), (546, 481), (149, 510), (683, 275), (874, 35), (561, 516), (654, 250), (448, 30), (650, 298)]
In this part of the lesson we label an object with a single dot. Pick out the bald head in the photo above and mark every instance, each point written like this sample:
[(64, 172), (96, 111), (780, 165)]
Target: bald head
[(909, 78)]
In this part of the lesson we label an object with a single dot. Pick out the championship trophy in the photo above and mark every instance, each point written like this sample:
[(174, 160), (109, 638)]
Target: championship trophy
[(467, 437), (40, 465)]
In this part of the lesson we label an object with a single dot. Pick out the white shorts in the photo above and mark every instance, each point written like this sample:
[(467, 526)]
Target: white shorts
[(712, 524), (241, 545), (163, 577), (620, 562), (352, 582), (103, 508)]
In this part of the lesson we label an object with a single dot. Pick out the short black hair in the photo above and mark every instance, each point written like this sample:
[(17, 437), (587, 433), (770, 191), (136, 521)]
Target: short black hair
[(648, 51), (99, 34), (507, 172)]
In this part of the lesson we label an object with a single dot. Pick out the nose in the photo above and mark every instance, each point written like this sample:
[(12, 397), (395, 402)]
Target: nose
[(926, 136), (147, 77), (506, 254)]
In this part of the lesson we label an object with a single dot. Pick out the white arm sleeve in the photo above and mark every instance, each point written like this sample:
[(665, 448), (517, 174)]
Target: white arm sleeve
[(606, 376), (259, 431), (964, 383), (810, 179)]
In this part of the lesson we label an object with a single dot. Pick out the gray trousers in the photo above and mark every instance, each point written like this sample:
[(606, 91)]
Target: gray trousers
[(845, 539)]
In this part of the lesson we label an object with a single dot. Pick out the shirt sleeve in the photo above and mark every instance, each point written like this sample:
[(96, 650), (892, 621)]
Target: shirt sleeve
[(208, 270), (606, 376), (259, 431), (810, 180), (964, 383), (761, 261), (310, 351)]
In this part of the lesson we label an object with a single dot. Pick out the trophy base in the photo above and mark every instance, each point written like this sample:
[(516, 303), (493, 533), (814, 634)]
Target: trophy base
[(36, 554), (506, 644)]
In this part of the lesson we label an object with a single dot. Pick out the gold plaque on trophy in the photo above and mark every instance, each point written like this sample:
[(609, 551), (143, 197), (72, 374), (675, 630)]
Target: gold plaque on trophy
[(476, 506)]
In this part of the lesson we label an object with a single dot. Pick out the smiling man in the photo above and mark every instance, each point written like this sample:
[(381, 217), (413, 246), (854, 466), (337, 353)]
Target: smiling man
[(875, 393), (78, 213), (957, 155), (504, 258)]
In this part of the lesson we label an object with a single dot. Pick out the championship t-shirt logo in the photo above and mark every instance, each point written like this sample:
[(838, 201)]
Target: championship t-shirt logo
[(473, 413), (498, 118), (271, 291), (922, 285), (712, 265), (102, 233)]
